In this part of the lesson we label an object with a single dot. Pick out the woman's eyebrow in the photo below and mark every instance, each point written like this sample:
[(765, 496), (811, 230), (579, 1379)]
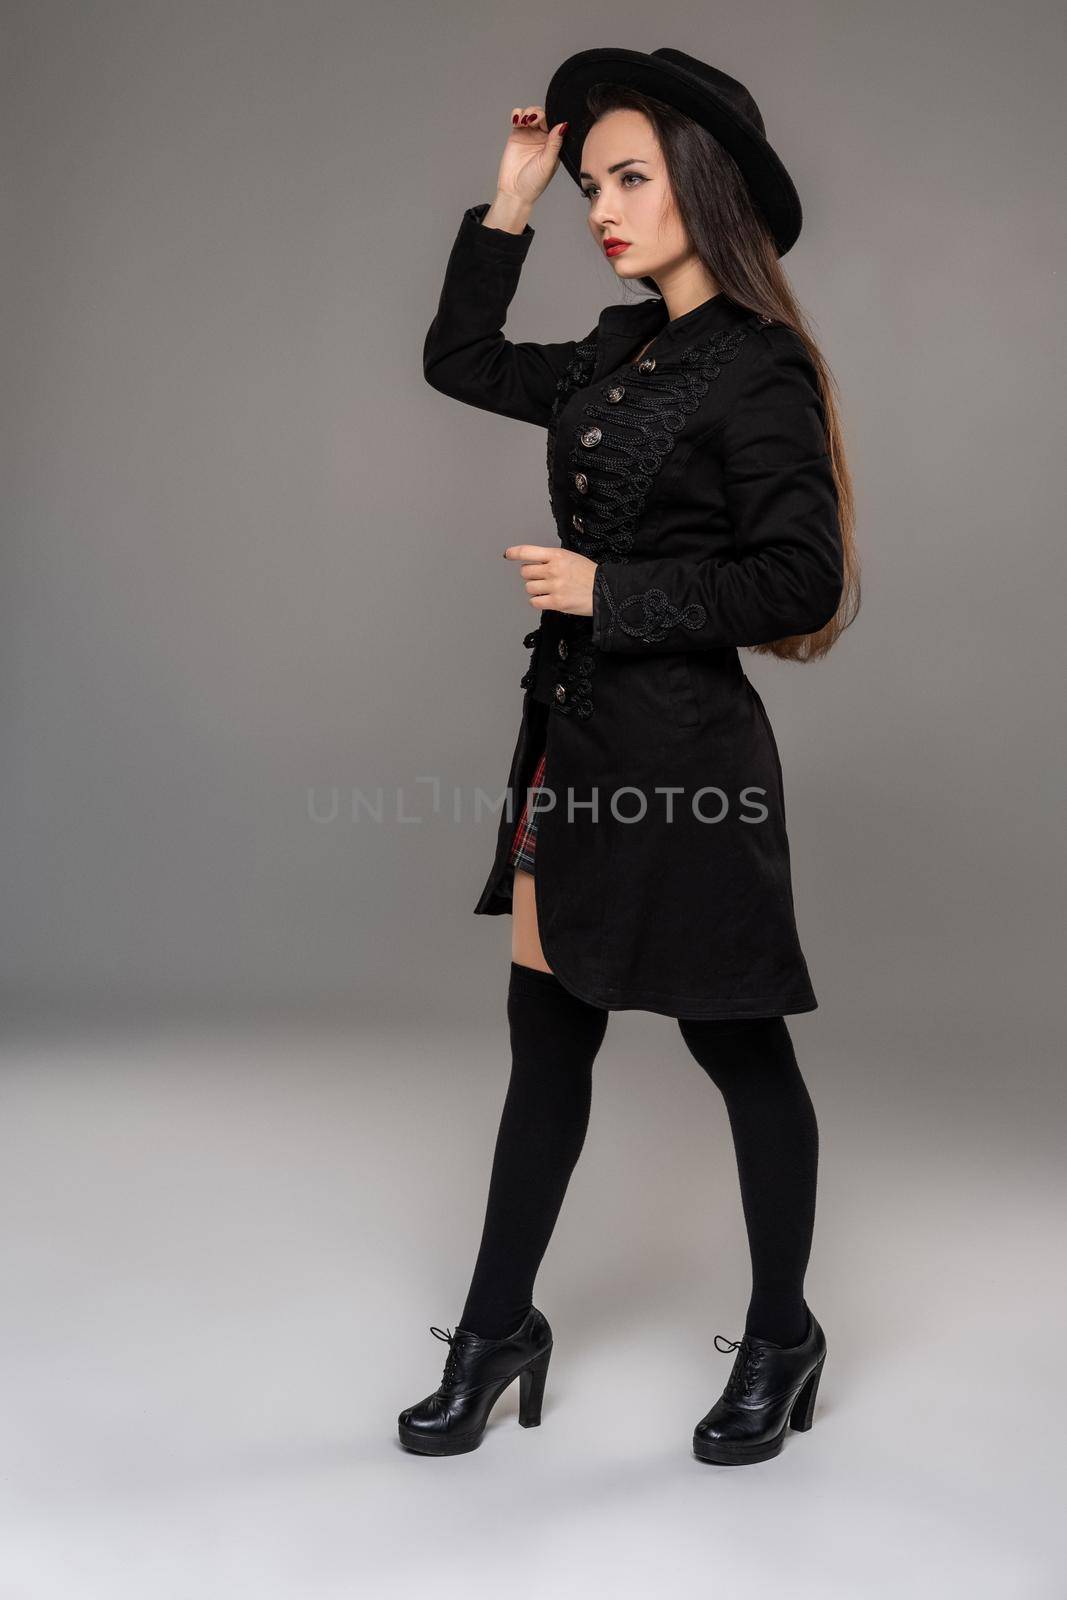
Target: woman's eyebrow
[(619, 164)]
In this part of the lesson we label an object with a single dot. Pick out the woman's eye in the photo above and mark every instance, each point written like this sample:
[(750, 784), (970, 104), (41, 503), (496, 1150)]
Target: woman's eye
[(638, 175)]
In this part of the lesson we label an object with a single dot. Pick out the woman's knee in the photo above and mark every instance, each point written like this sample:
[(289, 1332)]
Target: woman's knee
[(749, 1049)]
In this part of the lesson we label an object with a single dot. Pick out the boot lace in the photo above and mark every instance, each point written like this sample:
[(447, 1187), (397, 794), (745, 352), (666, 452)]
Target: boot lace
[(746, 1368), (451, 1371)]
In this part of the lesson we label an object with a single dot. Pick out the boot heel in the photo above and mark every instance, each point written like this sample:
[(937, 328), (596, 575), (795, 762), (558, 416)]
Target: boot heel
[(804, 1404), (532, 1390)]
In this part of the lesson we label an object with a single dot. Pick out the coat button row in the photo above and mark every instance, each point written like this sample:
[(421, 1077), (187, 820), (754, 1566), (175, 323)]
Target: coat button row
[(590, 437)]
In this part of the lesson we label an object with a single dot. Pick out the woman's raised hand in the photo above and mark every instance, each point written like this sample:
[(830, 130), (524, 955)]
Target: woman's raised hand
[(531, 155)]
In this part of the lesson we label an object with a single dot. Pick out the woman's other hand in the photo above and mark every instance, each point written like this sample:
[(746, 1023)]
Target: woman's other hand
[(530, 157), (556, 580)]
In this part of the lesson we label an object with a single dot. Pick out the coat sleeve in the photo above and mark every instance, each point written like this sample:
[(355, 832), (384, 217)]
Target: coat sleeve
[(785, 573), (465, 354)]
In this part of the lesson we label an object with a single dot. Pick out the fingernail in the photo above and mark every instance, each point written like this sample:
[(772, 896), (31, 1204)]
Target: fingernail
[(563, 127), (515, 117)]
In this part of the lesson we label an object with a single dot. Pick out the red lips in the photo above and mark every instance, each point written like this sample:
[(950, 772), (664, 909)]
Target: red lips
[(614, 247)]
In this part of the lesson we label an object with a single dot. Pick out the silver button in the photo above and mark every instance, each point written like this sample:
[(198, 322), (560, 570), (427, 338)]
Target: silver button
[(562, 648), (616, 393), (561, 693), (590, 437), (765, 319), (581, 483), (577, 523), (647, 365)]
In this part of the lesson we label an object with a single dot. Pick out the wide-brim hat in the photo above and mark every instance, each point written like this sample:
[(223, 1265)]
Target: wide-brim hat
[(713, 99)]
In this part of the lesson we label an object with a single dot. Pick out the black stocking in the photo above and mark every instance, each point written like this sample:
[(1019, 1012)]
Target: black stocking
[(776, 1141)]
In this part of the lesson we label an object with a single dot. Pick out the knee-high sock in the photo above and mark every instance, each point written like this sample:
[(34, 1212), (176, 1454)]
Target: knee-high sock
[(776, 1141), (555, 1038)]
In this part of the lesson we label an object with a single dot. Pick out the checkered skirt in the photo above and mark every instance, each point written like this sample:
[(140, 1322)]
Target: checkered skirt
[(524, 839)]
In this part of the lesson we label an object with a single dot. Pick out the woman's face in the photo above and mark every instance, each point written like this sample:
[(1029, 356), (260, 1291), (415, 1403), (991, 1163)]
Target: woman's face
[(634, 202)]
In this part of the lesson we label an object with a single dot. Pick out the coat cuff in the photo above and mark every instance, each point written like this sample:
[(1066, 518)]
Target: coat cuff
[(653, 607), (631, 614), (494, 241)]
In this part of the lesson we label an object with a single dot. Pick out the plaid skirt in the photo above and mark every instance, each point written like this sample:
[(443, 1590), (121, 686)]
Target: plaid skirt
[(524, 840)]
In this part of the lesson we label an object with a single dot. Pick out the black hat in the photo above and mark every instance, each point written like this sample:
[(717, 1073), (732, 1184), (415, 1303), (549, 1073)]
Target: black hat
[(714, 100)]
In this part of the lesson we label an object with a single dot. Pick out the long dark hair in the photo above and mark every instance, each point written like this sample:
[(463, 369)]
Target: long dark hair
[(731, 238)]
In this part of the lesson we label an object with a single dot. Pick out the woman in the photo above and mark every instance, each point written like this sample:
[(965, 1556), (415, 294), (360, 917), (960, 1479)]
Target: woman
[(703, 505)]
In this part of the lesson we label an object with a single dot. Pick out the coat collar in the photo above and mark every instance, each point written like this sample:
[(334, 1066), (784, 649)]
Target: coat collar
[(624, 328)]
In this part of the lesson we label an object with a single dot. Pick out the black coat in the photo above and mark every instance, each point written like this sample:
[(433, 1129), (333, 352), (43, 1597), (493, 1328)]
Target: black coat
[(699, 481)]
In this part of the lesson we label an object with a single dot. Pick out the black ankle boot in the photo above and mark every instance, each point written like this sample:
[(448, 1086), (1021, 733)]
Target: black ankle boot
[(477, 1371), (769, 1386)]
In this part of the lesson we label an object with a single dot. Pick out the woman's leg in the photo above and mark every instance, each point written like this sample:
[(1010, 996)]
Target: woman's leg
[(776, 1141), (525, 939), (555, 1038)]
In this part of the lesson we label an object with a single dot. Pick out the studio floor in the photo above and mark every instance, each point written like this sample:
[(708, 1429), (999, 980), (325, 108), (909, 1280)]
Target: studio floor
[(223, 1250)]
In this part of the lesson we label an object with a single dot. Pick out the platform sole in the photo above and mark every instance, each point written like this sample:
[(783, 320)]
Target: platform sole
[(734, 1455)]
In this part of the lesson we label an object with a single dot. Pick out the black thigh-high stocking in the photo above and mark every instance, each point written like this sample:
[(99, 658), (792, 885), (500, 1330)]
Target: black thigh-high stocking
[(555, 1038), (776, 1141)]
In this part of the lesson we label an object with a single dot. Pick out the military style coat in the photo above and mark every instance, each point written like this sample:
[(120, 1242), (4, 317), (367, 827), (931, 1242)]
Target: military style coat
[(698, 480)]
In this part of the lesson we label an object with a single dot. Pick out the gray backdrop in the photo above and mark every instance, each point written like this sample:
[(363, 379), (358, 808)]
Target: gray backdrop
[(251, 565)]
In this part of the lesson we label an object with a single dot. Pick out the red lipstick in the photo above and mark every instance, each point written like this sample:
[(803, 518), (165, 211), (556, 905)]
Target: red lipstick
[(615, 247)]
